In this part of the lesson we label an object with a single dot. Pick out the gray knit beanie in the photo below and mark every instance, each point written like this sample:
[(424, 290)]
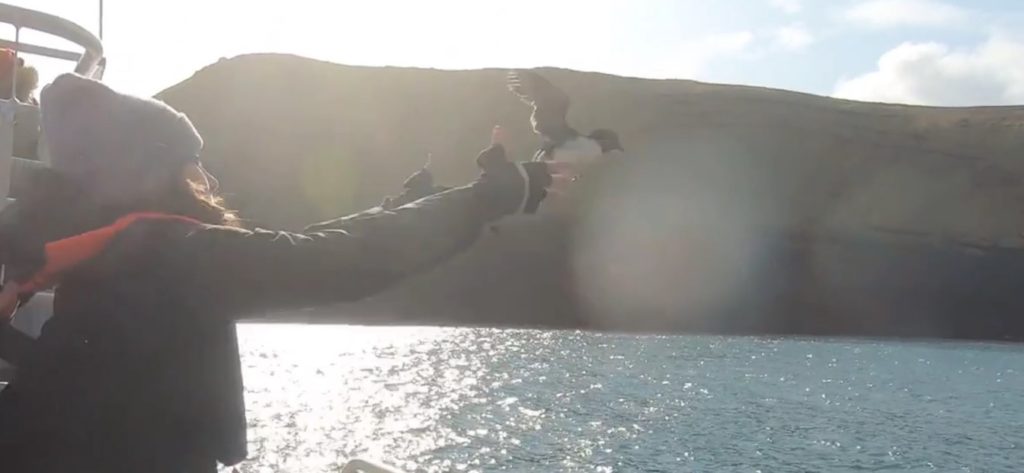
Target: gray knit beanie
[(116, 146)]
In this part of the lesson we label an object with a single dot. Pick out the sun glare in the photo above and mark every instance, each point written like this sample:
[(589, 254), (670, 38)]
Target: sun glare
[(153, 45)]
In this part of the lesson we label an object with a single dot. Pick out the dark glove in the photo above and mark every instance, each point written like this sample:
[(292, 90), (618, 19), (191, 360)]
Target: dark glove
[(419, 185), (527, 180)]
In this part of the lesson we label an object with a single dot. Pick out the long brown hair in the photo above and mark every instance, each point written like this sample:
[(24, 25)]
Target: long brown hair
[(54, 207), (188, 199), (66, 209)]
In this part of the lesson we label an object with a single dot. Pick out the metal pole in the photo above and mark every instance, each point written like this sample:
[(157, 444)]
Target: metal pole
[(101, 20), (14, 67)]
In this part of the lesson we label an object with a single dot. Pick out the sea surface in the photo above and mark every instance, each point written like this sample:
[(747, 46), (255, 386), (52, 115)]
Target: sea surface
[(483, 400)]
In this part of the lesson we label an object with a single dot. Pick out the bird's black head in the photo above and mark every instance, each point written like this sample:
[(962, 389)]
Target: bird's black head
[(608, 139)]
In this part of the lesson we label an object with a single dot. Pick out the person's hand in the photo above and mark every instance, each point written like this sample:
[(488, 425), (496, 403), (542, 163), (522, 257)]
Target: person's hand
[(548, 179), (563, 173)]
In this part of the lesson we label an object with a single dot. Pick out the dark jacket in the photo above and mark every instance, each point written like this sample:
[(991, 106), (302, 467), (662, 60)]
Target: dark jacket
[(138, 369)]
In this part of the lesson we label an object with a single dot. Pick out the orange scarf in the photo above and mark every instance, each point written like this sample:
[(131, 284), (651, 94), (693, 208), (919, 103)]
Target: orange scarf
[(66, 254)]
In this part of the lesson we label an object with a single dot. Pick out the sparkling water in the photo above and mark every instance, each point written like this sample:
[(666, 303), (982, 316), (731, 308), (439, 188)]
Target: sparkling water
[(452, 400)]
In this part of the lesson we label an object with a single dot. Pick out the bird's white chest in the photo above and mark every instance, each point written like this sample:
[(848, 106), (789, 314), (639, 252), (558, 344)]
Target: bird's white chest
[(579, 150)]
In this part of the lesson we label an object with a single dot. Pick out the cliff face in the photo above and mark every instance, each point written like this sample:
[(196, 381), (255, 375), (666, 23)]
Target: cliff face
[(736, 209)]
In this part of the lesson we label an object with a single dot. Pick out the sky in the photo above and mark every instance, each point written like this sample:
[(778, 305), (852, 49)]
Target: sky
[(927, 52)]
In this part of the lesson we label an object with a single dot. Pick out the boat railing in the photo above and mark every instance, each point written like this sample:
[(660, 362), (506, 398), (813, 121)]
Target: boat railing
[(19, 130), (87, 62)]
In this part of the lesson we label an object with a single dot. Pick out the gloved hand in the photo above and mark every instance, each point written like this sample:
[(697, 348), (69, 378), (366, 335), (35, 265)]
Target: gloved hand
[(534, 178)]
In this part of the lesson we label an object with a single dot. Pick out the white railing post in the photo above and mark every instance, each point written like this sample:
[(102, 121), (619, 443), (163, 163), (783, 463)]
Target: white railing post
[(359, 465)]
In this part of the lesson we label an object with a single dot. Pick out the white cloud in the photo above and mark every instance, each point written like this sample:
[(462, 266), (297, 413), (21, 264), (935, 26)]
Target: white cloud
[(991, 73), (791, 7), (792, 37), (890, 13)]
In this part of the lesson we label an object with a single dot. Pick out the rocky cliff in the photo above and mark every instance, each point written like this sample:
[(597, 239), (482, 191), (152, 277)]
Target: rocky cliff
[(736, 209)]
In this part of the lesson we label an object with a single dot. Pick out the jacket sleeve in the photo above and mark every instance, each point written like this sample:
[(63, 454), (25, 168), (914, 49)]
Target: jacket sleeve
[(351, 257)]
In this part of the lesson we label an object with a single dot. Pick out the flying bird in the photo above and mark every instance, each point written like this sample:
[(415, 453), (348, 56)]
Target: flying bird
[(549, 119)]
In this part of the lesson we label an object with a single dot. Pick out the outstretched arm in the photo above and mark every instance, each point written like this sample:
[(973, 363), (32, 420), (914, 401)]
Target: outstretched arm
[(356, 256)]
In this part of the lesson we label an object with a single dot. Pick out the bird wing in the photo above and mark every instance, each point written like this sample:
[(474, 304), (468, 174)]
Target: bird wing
[(550, 104)]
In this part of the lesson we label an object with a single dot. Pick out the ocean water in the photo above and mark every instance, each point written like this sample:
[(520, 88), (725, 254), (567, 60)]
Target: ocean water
[(464, 400)]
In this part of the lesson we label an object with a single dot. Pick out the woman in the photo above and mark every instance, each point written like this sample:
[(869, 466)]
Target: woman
[(138, 369)]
